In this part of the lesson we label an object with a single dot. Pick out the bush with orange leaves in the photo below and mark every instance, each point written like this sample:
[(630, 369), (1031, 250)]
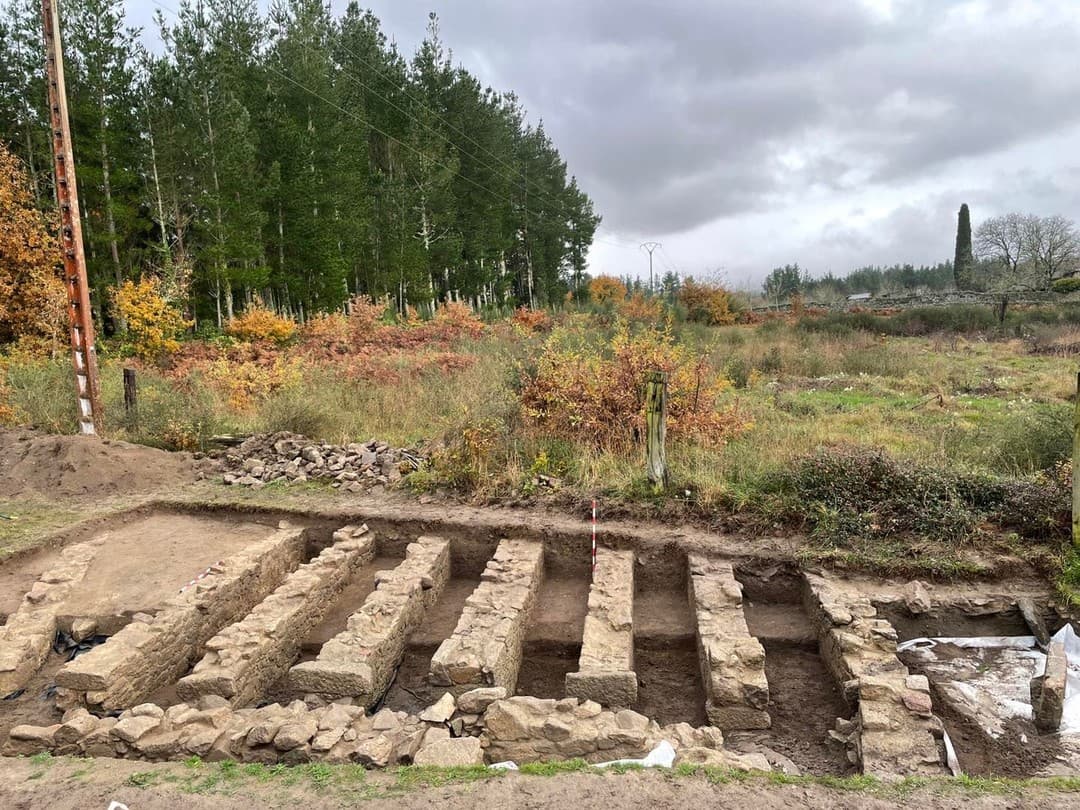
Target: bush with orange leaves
[(604, 290), (595, 394), (260, 323), (706, 303), (153, 324), (638, 307), (532, 320), (32, 298)]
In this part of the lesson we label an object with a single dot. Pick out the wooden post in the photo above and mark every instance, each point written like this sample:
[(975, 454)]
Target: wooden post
[(656, 429), (131, 395), (1076, 469)]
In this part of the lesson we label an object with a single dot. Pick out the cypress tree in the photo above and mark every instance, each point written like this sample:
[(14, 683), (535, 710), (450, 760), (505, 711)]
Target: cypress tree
[(964, 262)]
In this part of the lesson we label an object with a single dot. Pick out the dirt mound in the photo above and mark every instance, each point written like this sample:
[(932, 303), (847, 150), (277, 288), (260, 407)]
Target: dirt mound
[(34, 463)]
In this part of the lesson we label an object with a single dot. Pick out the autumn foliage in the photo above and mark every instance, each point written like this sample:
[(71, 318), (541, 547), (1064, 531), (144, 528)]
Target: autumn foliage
[(595, 393), (32, 297), (706, 303), (153, 324), (606, 290), (259, 323)]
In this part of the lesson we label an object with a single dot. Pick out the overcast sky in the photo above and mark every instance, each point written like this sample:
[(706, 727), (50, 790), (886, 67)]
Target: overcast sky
[(743, 134)]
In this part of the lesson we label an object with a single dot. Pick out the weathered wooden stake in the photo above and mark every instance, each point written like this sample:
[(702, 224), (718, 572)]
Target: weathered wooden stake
[(656, 429), (1076, 469), (131, 394)]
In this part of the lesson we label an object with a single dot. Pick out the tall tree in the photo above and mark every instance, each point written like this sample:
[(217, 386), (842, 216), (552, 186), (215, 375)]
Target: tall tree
[(964, 260)]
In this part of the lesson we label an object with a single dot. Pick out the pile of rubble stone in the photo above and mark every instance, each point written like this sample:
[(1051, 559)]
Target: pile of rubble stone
[(291, 458)]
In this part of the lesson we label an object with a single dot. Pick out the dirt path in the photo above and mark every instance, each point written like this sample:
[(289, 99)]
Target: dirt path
[(69, 784)]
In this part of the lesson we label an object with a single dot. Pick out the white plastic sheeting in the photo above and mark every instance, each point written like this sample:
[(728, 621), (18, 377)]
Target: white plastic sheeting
[(994, 694)]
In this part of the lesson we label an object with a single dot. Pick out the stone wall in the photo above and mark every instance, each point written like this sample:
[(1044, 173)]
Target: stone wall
[(732, 660), (28, 635), (146, 655), (485, 648), (360, 661), (895, 733), (606, 665), (245, 658), (482, 726)]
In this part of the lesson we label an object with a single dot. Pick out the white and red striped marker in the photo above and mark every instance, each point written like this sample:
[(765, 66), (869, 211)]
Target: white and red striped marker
[(203, 575), (594, 537)]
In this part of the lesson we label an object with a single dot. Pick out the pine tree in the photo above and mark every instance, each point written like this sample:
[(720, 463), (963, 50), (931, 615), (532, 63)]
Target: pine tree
[(964, 262)]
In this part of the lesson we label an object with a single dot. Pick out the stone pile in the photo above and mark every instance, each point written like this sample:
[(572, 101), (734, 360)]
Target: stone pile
[(290, 458), (481, 726)]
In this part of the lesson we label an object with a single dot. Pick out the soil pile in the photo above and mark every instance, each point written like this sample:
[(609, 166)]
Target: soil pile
[(33, 463)]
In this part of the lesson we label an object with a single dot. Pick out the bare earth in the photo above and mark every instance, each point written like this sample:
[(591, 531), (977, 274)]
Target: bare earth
[(71, 784)]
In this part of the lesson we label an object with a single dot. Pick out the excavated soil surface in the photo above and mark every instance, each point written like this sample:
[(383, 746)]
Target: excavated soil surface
[(141, 563), (86, 467)]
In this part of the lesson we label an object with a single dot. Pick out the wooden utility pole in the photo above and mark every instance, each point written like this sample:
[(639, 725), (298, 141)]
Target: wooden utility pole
[(80, 318), (656, 429), (1076, 469)]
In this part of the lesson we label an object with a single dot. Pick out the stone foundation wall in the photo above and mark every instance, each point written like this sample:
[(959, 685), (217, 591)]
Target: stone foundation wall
[(895, 733), (606, 665), (146, 655), (28, 635), (360, 661), (732, 660), (245, 658), (485, 648), (483, 726)]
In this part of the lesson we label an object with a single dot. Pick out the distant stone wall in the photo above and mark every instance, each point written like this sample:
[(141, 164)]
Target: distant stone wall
[(946, 298)]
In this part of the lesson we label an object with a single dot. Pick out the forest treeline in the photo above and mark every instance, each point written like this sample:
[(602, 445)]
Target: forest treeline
[(293, 159)]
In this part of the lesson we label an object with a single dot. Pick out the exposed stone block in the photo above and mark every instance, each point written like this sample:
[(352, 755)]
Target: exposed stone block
[(732, 660), (1051, 698), (486, 645), (26, 637), (145, 656), (359, 662), (245, 658), (606, 665)]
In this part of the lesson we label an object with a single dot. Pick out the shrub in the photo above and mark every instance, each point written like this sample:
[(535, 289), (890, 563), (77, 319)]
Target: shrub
[(457, 319), (1066, 285), (640, 308), (857, 496), (606, 290), (153, 324), (595, 392), (32, 297), (706, 303), (532, 320), (259, 323)]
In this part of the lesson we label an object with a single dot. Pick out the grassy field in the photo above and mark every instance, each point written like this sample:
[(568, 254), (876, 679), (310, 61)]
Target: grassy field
[(888, 439)]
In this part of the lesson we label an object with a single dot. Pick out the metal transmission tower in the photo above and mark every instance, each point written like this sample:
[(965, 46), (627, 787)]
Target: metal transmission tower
[(650, 247), (83, 354)]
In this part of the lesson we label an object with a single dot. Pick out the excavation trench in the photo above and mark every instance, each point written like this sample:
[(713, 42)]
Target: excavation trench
[(972, 689), (553, 639), (804, 698), (666, 661)]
